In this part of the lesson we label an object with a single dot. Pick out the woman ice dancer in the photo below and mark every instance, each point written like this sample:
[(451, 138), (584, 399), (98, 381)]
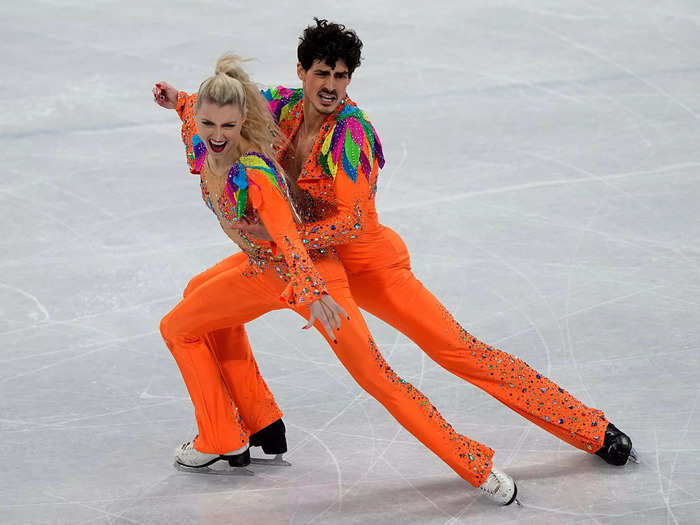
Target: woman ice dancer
[(317, 117), (239, 181), (231, 153)]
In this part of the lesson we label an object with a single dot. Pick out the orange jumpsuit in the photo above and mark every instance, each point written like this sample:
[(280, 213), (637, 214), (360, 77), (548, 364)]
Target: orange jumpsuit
[(340, 213), (202, 328)]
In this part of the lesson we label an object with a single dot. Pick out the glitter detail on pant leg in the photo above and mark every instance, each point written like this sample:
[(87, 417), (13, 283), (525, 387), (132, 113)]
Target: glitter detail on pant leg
[(513, 382), (470, 454)]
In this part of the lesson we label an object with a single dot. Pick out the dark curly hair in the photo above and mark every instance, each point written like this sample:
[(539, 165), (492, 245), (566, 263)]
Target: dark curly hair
[(329, 42)]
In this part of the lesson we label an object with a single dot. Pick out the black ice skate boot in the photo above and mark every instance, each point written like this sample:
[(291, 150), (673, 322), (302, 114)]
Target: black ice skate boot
[(617, 447), (272, 439)]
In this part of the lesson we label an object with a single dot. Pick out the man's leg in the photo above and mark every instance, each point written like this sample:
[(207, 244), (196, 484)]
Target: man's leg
[(398, 298)]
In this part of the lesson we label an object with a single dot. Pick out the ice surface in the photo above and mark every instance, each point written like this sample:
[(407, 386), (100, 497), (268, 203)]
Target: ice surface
[(543, 167)]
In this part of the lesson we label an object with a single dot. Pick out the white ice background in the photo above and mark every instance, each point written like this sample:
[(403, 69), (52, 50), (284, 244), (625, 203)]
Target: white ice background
[(543, 165)]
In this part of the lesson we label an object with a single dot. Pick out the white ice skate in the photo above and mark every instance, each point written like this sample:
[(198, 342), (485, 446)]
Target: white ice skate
[(189, 459), (500, 487)]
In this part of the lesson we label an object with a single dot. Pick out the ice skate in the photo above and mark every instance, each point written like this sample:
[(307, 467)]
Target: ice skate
[(617, 447), (500, 488), (273, 440), (189, 459)]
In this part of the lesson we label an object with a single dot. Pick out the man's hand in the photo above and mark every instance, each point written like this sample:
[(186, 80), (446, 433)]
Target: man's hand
[(165, 95), (253, 229), (328, 312)]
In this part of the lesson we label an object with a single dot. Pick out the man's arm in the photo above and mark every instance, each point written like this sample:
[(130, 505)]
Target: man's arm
[(350, 158)]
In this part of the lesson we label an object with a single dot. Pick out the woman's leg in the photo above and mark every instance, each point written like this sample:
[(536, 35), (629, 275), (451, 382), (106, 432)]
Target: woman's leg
[(239, 370), (229, 263), (398, 298), (256, 404), (359, 354), (208, 308)]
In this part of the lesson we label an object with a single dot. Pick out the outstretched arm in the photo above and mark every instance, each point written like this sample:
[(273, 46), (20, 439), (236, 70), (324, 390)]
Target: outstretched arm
[(350, 158), (165, 95)]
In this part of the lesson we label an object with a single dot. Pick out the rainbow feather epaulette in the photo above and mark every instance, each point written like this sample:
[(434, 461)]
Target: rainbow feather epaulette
[(237, 180), (280, 100), (351, 142)]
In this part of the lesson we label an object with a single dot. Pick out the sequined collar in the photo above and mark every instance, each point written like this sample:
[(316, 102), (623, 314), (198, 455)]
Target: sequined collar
[(234, 197), (290, 127)]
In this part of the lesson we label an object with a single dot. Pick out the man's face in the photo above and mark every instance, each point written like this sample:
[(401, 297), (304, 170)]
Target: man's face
[(324, 86)]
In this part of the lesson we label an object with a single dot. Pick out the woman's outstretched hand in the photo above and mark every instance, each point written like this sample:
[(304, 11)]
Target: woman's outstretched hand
[(165, 95), (328, 312)]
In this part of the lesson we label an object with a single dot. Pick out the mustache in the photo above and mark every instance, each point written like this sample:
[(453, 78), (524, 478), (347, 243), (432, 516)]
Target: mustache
[(333, 93)]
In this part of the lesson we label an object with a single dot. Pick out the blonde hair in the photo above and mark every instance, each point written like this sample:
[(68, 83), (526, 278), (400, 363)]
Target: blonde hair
[(231, 85)]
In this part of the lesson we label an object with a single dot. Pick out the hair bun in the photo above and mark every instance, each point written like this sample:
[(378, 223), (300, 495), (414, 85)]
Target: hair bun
[(231, 65)]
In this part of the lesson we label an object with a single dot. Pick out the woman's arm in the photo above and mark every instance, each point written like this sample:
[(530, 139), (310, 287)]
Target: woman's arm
[(341, 227), (350, 157), (165, 95), (306, 286), (350, 160)]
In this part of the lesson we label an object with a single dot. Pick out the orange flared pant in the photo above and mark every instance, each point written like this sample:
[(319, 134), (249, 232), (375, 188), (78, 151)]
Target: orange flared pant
[(381, 281), (205, 335)]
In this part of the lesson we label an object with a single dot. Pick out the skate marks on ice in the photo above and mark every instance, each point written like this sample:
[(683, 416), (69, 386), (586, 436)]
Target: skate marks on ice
[(222, 467), (219, 468), (562, 200)]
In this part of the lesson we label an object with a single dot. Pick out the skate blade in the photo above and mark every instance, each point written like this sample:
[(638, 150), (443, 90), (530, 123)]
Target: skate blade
[(634, 456), (226, 471), (277, 461)]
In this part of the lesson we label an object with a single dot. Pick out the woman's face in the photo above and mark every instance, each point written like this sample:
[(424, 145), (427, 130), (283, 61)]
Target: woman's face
[(220, 128)]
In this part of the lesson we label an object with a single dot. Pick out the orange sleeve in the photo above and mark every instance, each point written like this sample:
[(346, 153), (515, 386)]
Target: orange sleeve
[(184, 103), (305, 283), (193, 145)]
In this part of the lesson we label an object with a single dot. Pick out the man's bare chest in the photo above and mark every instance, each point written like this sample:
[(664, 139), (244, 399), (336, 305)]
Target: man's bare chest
[(297, 153)]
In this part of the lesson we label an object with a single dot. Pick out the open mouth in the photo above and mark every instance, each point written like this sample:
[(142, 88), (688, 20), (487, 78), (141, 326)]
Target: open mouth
[(327, 98), (216, 146)]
